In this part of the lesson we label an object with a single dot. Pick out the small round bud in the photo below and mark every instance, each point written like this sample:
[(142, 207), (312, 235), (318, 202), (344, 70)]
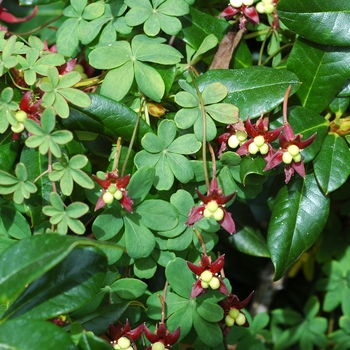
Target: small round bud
[(294, 150), (267, 1), (269, 8), (124, 342), (212, 206), (108, 198), (118, 195), (248, 2), (112, 188), (259, 140), (79, 68), (158, 346), (116, 347), (253, 148), (241, 319), (219, 214), (233, 141), (241, 135), (214, 283), (207, 213), (229, 321), (264, 149), (21, 116), (234, 313), (18, 128), (206, 276), (260, 7), (204, 285), (287, 158), (297, 158), (236, 3)]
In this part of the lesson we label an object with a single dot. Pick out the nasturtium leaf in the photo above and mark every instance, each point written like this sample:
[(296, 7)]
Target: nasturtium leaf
[(129, 288), (180, 277), (263, 87), (322, 70), (63, 288), (46, 331), (325, 23), (299, 214), (332, 164)]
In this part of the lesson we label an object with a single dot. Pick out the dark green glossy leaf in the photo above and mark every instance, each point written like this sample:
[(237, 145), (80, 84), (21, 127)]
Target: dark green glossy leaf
[(322, 22), (299, 214), (8, 151), (107, 117), (64, 288), (332, 164), (30, 258), (263, 87), (18, 334), (89, 341), (129, 288), (322, 70)]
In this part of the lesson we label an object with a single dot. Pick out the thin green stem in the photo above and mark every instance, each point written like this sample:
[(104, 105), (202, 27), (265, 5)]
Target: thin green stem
[(204, 140), (133, 137), (256, 34), (276, 53), (263, 47)]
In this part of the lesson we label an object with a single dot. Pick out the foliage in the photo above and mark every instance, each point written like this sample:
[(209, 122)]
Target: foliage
[(162, 159)]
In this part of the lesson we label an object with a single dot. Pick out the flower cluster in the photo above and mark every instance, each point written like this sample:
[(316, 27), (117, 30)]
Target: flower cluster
[(213, 205), (114, 188), (208, 275)]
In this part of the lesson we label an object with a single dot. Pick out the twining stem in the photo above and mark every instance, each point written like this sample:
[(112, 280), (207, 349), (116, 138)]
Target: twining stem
[(200, 238), (133, 137), (204, 140), (285, 104)]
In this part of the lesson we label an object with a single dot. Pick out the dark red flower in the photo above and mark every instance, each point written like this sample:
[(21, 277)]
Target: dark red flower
[(114, 188), (124, 335), (289, 152), (213, 205), (260, 138), (162, 335), (232, 312), (208, 275), (249, 13)]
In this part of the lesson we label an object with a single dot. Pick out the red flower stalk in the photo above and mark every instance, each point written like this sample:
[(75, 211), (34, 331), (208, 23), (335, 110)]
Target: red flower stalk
[(260, 138), (232, 312), (114, 188), (122, 336), (290, 147), (7, 17), (208, 275), (213, 205), (163, 336)]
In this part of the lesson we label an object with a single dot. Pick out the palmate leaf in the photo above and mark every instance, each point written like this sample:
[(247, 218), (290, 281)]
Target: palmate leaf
[(328, 24), (299, 214)]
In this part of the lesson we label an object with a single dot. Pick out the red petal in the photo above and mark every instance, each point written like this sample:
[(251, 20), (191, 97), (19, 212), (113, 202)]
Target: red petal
[(227, 223), (288, 131), (195, 214), (195, 268), (250, 128), (5, 16), (229, 12), (275, 160), (304, 144), (289, 172), (242, 304), (123, 181), (299, 168), (135, 333), (223, 288), (273, 134), (251, 13), (100, 203), (197, 289), (149, 335), (126, 202), (243, 150), (104, 183), (173, 337), (218, 264)]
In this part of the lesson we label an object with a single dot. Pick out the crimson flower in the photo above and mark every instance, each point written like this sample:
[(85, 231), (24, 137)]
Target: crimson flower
[(114, 188), (123, 336), (260, 138), (162, 336), (213, 205), (7, 17), (232, 312), (208, 275), (249, 13), (289, 153)]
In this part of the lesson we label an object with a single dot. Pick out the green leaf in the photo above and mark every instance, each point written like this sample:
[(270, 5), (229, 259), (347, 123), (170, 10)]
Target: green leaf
[(46, 331), (63, 289), (129, 288), (298, 217), (107, 225), (209, 333), (141, 183), (183, 317), (145, 268), (263, 87), (210, 312), (14, 223), (323, 73), (327, 25), (332, 164)]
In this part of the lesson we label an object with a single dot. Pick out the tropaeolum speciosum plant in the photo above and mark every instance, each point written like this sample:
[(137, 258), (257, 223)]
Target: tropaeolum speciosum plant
[(172, 171)]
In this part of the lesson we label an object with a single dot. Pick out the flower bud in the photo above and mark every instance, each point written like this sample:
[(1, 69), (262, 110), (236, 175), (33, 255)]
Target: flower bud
[(234, 313), (124, 342), (229, 321), (206, 276), (287, 158), (158, 346), (241, 136), (21, 116), (297, 158), (240, 320), (269, 8), (108, 198), (212, 206), (219, 214), (259, 140), (236, 3), (204, 285), (294, 150), (214, 283), (118, 195), (248, 2), (260, 7), (207, 213), (264, 149), (233, 141), (18, 128), (253, 148), (112, 188)]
